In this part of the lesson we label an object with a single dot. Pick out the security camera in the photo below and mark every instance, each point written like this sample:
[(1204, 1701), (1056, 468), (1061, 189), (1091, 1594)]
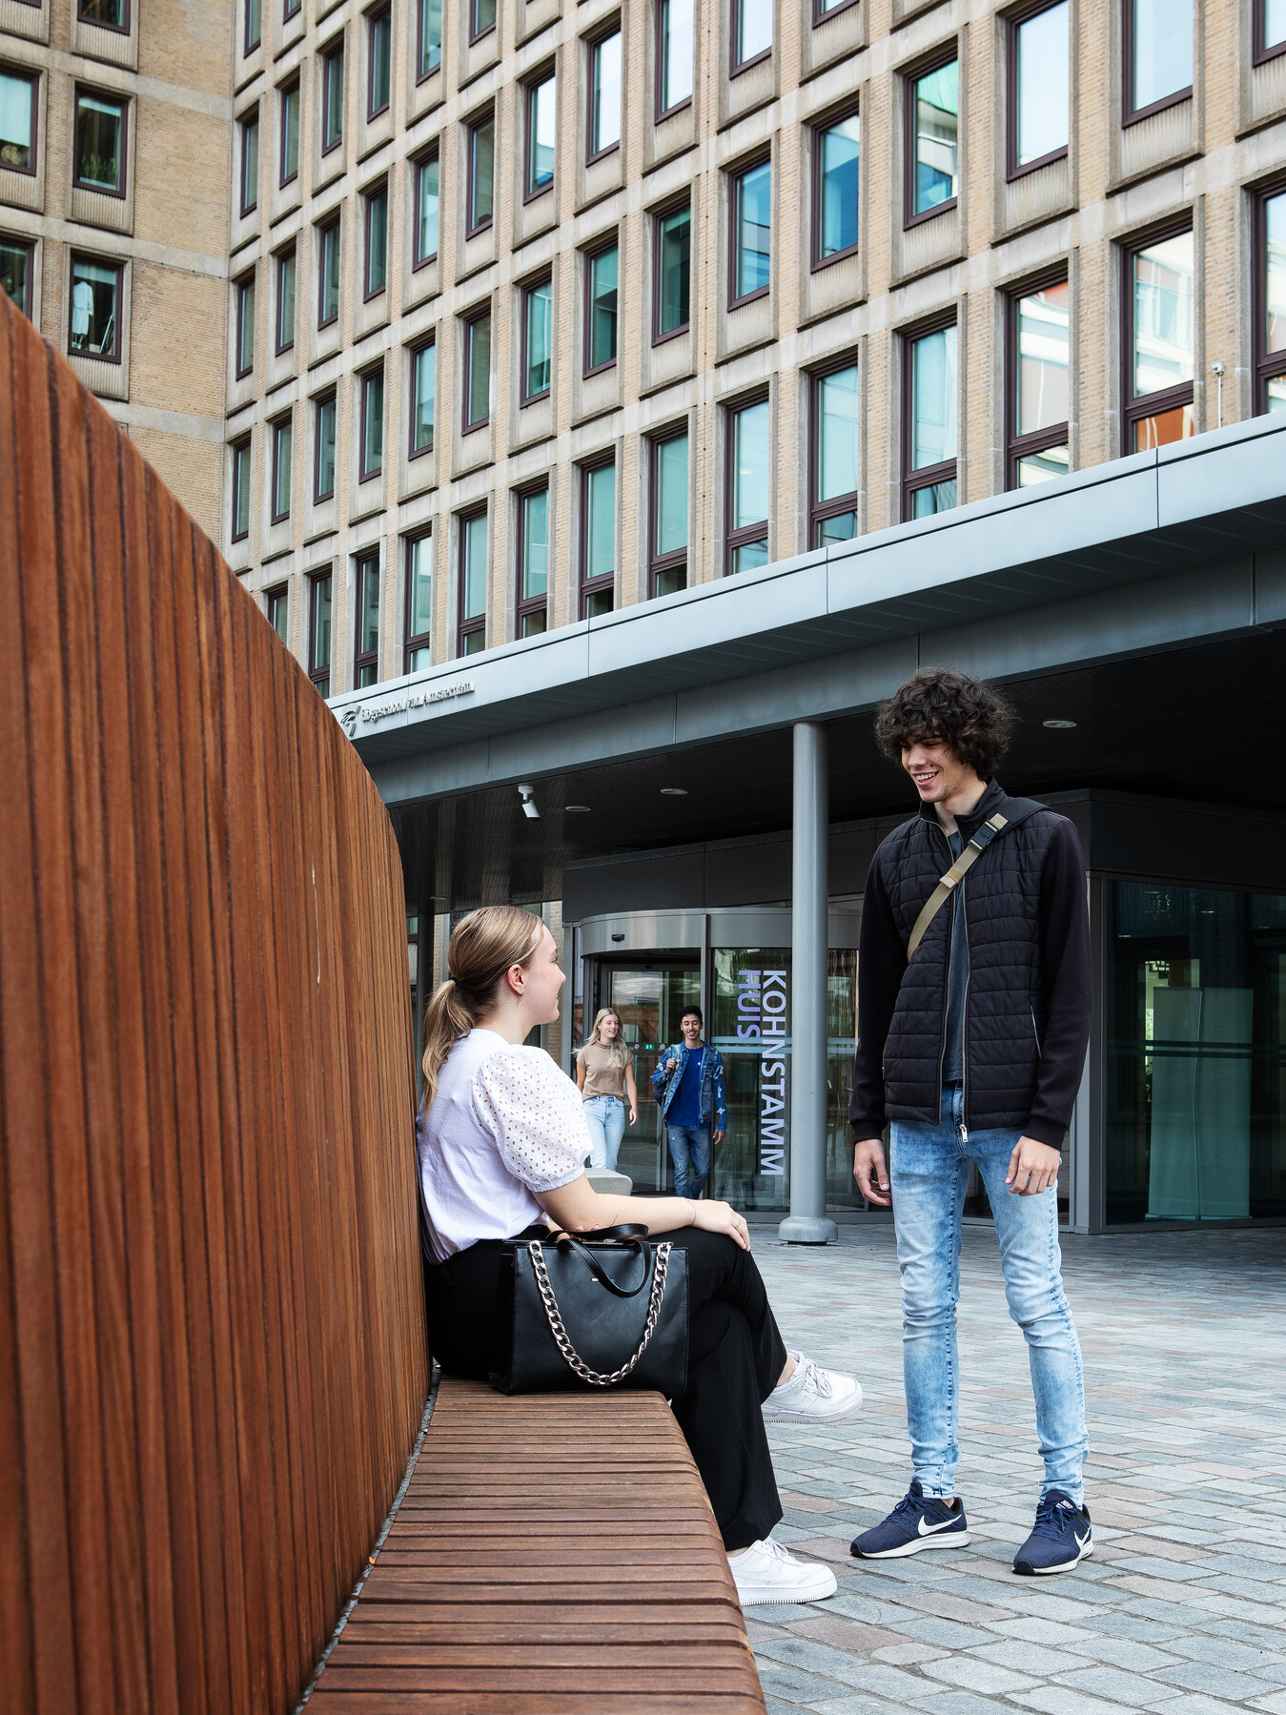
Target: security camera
[(528, 800), (1216, 368)]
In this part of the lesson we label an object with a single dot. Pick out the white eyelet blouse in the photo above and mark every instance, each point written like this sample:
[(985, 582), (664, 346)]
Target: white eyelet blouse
[(505, 1123)]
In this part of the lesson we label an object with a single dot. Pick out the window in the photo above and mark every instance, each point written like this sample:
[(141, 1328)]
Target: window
[(332, 101), (419, 603), (480, 201), (537, 340), (253, 26), (673, 55), (319, 587), (371, 444), (366, 620), (110, 14), (1158, 339), (1157, 54), (324, 414), (375, 219), (424, 388), (282, 461), (822, 9), (837, 159), (929, 432), (751, 32), (1269, 299), (290, 9), (532, 610), (747, 486), (1269, 29), (932, 140), (477, 370), (250, 162), (833, 456), (1038, 382), (288, 140), (1039, 94), (428, 39), (277, 606), (750, 240), (241, 489), (425, 239), (328, 272), (97, 294), (100, 143), (17, 268), (482, 18), (668, 519), (379, 45), (598, 539), (604, 120), (285, 300), (471, 635), (244, 303), (17, 120), (602, 268), (672, 275), (542, 132)]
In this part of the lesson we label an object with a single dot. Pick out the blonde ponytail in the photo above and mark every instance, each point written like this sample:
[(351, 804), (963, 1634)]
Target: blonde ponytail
[(484, 945)]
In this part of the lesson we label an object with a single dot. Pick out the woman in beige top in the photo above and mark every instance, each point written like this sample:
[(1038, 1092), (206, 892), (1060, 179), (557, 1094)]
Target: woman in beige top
[(605, 1074)]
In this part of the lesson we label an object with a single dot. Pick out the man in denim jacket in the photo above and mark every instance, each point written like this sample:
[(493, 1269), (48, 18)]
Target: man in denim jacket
[(688, 1083)]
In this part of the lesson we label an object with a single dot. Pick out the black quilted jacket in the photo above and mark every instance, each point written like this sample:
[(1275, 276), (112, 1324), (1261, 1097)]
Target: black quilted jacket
[(1027, 1004)]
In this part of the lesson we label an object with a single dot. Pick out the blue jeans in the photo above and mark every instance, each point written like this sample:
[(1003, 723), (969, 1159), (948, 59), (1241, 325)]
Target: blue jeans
[(928, 1170), (690, 1153), (605, 1117)]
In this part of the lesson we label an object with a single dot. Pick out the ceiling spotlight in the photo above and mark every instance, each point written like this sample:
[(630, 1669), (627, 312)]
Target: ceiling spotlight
[(576, 809), (1059, 725), (529, 804), (674, 791)]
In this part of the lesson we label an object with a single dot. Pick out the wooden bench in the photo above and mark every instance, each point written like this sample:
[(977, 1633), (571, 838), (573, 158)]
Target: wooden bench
[(551, 1555)]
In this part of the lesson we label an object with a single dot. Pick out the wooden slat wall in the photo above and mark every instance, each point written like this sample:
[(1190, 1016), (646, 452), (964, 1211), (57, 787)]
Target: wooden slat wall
[(212, 1355)]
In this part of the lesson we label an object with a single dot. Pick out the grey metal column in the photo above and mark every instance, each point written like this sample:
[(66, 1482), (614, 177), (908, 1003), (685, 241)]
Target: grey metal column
[(807, 1223)]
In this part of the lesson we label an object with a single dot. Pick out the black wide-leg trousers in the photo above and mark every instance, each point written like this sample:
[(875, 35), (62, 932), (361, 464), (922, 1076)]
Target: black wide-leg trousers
[(735, 1356)]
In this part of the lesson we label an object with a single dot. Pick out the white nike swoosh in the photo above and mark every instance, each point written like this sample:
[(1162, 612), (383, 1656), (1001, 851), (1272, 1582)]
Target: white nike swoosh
[(924, 1528)]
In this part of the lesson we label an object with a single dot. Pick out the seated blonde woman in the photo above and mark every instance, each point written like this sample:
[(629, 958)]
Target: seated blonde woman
[(502, 1145)]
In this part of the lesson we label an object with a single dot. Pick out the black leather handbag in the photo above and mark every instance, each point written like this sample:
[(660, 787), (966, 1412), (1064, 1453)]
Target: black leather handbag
[(606, 1309)]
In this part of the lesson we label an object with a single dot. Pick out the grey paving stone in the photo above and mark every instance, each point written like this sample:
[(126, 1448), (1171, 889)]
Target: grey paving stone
[(1133, 1689), (1223, 1652), (951, 1634), (1061, 1700), (969, 1674), (1020, 1656), (1216, 1681), (858, 1706)]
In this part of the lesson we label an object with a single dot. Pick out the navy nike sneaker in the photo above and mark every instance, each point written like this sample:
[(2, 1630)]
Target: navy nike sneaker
[(1060, 1539), (917, 1521)]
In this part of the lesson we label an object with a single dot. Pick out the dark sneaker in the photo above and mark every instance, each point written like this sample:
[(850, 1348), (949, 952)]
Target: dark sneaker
[(1060, 1539), (917, 1521)]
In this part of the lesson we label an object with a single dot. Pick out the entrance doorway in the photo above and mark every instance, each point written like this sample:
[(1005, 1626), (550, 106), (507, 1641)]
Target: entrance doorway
[(649, 999)]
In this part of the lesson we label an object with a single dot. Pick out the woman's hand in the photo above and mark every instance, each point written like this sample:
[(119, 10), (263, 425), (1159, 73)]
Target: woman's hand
[(634, 1116), (721, 1218)]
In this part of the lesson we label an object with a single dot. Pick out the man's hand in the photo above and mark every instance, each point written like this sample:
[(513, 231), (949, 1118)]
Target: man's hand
[(716, 1137), (870, 1170), (1033, 1168)]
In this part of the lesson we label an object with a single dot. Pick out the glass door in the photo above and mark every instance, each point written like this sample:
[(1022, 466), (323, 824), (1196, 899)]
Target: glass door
[(650, 999)]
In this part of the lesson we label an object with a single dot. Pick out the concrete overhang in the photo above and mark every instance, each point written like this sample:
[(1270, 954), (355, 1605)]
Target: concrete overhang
[(1024, 582)]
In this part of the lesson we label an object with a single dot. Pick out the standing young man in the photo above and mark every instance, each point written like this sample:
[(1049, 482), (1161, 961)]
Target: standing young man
[(689, 1085), (972, 1047)]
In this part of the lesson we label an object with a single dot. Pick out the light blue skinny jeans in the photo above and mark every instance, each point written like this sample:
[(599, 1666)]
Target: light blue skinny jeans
[(605, 1117), (929, 1167)]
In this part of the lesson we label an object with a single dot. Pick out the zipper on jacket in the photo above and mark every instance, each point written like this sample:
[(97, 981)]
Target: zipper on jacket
[(946, 982), (1036, 1033), (964, 1032)]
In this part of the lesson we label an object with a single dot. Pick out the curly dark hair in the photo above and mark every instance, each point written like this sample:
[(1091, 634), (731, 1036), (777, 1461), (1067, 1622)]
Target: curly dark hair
[(946, 707)]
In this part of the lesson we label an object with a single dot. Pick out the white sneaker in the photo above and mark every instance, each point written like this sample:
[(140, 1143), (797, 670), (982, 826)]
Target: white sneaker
[(766, 1572), (813, 1395)]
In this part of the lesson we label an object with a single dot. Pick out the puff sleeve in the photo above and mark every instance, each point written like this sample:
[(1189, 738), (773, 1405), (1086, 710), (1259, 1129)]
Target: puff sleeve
[(536, 1116)]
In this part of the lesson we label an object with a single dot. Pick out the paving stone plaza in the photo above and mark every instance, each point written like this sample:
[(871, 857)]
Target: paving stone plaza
[(1181, 1611)]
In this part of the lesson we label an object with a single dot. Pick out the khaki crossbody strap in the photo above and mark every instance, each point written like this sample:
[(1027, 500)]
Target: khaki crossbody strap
[(956, 874)]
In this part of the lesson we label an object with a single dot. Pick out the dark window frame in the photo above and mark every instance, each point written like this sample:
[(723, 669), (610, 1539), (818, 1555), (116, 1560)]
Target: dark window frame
[(744, 535), (1013, 23), (121, 190), (1259, 53), (426, 157), (414, 353), (526, 290), (122, 29), (531, 88), (466, 628), (943, 55), (1267, 365), (287, 253), (736, 66), (736, 176), (468, 425), (246, 123), (823, 16), (117, 265), (33, 78), (1135, 408), (851, 109), (606, 581), (248, 46), (242, 445), (365, 380), (476, 32), (290, 9), (17, 242), (376, 15), (820, 511), (243, 283), (290, 87), (320, 675), (589, 256), (658, 79), (1019, 447), (324, 228), (1130, 115), (472, 125), (411, 641), (278, 592), (593, 42), (947, 470), (526, 606), (423, 71), (287, 422), (365, 561), (369, 196), (332, 52), (659, 215), (320, 401), (677, 559)]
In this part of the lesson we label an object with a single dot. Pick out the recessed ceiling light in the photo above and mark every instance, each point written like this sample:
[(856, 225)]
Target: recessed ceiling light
[(1059, 726), (576, 809), (674, 791)]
